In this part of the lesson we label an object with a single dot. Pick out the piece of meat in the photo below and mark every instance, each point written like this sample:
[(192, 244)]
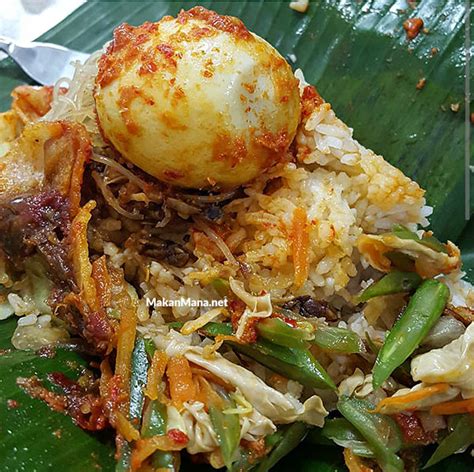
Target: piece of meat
[(40, 191), (310, 307), (38, 223)]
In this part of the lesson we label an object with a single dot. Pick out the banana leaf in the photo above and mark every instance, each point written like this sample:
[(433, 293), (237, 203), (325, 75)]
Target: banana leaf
[(357, 54), (33, 437)]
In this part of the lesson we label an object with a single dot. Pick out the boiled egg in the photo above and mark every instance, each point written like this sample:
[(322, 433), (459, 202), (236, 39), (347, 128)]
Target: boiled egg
[(196, 101)]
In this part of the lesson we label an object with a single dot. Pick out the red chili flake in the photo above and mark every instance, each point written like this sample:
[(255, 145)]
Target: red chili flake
[(310, 100), (228, 24), (236, 308), (290, 322), (12, 404), (413, 26), (250, 335), (178, 436)]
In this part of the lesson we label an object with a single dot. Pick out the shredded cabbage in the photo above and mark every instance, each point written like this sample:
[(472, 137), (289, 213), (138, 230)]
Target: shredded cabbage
[(453, 364)]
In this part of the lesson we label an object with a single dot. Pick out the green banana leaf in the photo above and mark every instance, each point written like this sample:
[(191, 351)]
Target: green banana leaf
[(357, 54), (33, 437)]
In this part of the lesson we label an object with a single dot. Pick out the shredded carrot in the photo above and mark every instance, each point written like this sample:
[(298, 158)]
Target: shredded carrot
[(83, 150), (454, 408), (125, 342), (375, 252), (106, 375), (155, 374), (180, 378), (354, 463), (206, 394), (405, 402), (101, 277), (226, 337), (125, 428), (80, 255), (300, 246), (144, 448)]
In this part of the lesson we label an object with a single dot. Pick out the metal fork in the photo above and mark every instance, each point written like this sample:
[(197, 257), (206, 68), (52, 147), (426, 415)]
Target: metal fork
[(45, 63)]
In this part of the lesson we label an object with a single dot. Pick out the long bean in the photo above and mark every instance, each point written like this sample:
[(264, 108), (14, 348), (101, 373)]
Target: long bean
[(137, 383), (341, 432), (460, 438), (393, 282), (154, 423), (380, 432), (294, 363), (277, 331), (227, 428), (340, 340), (422, 312), (292, 436)]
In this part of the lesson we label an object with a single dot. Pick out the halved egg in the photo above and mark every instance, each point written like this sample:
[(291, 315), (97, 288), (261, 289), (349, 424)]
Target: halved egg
[(197, 101)]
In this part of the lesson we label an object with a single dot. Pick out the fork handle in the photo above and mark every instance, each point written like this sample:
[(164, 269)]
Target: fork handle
[(7, 45)]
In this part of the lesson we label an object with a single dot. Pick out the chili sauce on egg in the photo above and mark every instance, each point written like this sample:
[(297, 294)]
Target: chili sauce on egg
[(197, 101)]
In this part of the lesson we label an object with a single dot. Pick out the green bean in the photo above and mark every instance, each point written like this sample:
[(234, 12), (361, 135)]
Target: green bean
[(176, 325), (292, 436), (154, 416), (341, 340), (422, 312), (213, 329), (380, 432), (394, 282), (227, 429), (221, 286), (277, 331), (460, 438), (272, 439), (154, 423), (293, 363), (138, 379), (210, 329), (341, 432), (123, 461)]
